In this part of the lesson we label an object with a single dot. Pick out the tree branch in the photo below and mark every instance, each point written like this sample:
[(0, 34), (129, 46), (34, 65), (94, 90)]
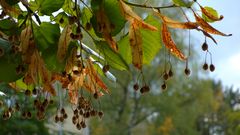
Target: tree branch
[(145, 6)]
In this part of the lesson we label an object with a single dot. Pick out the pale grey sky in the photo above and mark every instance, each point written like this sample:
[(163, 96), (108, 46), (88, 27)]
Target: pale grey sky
[(226, 55)]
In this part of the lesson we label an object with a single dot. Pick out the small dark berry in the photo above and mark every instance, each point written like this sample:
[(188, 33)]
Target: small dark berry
[(170, 73), (187, 71), (100, 114), (56, 119), (136, 86), (78, 126), (164, 86), (165, 76), (34, 91), (95, 95), (65, 116), (29, 115), (78, 30), (212, 67), (205, 66), (61, 20), (27, 92), (62, 111), (72, 35), (61, 119), (106, 68), (204, 46), (145, 89), (75, 112), (88, 26)]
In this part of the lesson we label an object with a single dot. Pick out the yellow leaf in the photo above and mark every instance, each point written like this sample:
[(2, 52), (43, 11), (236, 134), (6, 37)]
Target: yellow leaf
[(135, 39), (129, 15), (63, 43), (169, 43), (208, 28)]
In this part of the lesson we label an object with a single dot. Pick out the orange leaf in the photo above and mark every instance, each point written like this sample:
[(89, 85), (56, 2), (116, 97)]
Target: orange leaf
[(169, 43), (94, 79), (129, 15), (208, 28), (104, 27), (135, 39), (63, 43), (175, 24)]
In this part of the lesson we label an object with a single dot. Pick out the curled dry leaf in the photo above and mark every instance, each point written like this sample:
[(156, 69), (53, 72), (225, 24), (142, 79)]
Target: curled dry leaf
[(209, 14), (135, 39), (26, 43), (175, 24), (129, 15), (71, 60), (104, 27), (93, 82), (63, 43), (39, 73), (169, 43), (208, 28)]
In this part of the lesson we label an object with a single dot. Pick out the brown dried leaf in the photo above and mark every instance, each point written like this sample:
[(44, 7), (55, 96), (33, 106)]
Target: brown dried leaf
[(104, 27), (93, 78), (49, 88), (129, 15), (169, 43), (175, 24), (73, 96), (210, 15), (63, 43), (135, 39), (208, 28), (27, 44)]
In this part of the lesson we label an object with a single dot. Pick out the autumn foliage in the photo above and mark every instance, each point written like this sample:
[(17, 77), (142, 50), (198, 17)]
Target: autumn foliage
[(81, 42)]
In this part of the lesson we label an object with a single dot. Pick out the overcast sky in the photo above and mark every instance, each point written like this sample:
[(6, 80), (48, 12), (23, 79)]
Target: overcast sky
[(226, 55)]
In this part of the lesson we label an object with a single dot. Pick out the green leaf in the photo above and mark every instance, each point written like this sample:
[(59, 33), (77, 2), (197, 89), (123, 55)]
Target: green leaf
[(46, 35), (9, 27), (87, 15), (114, 59), (50, 58), (68, 7), (112, 11), (12, 2), (212, 11), (183, 3), (61, 19), (49, 6), (46, 7), (151, 43), (9, 62), (151, 40)]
